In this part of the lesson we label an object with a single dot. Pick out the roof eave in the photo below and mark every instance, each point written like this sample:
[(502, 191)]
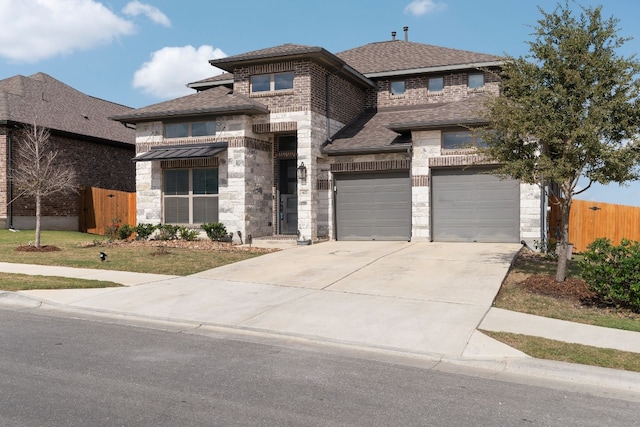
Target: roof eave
[(403, 127), (437, 69), (398, 148), (145, 117), (200, 85)]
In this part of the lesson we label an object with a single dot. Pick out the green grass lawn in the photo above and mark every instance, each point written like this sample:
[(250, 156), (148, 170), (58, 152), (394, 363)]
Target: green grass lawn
[(515, 297), (82, 250)]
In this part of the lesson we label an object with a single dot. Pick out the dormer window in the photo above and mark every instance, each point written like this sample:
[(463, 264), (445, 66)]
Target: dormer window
[(476, 80), (272, 82), (397, 87)]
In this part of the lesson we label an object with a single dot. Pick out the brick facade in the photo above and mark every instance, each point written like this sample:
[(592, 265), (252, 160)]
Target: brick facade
[(95, 164)]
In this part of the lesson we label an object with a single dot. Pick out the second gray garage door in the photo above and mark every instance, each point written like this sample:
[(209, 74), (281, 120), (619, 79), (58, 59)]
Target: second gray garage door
[(373, 206), (471, 206)]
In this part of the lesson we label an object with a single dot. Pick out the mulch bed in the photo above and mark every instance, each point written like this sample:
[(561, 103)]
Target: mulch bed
[(573, 288)]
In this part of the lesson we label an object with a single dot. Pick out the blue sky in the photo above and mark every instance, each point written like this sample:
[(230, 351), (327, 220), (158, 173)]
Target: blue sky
[(141, 52)]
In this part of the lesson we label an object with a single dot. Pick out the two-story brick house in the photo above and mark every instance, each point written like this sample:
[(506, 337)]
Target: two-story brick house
[(374, 143)]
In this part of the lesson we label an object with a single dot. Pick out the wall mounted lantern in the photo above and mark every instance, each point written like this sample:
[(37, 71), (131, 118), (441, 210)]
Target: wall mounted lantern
[(302, 172)]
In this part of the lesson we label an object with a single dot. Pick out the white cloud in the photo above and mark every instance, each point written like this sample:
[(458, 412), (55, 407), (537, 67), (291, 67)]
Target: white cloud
[(171, 68), (422, 7), (33, 30), (136, 8)]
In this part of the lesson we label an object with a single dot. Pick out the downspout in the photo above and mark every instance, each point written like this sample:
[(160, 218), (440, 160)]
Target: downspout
[(543, 217)]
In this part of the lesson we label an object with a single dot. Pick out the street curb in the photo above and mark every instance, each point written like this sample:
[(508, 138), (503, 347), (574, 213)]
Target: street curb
[(505, 368)]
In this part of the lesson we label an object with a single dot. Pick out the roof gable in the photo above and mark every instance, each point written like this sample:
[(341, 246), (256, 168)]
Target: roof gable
[(52, 104)]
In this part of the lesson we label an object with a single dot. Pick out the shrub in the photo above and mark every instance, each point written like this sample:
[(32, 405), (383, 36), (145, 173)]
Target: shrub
[(188, 234), (613, 271), (117, 230), (215, 230), (144, 231), (125, 231), (168, 232)]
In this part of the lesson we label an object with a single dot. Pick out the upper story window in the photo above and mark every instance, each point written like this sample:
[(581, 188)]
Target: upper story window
[(397, 87), (460, 139), (187, 129), (272, 82), (476, 80), (436, 84)]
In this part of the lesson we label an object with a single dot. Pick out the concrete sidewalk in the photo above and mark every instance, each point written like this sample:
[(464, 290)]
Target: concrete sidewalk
[(426, 299)]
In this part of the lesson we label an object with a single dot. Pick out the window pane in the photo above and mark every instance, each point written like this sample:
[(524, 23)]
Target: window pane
[(261, 83), (205, 181), (176, 210), (283, 81), (205, 209), (176, 182), (454, 140), (476, 80), (203, 128), (176, 130), (436, 84), (397, 88)]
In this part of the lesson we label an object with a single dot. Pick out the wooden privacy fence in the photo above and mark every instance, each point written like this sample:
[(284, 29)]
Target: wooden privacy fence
[(98, 208), (591, 220)]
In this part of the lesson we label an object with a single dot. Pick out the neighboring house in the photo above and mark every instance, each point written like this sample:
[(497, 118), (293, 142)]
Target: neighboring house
[(99, 149), (374, 143)]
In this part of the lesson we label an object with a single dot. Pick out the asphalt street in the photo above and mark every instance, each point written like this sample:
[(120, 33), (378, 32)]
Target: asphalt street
[(58, 370)]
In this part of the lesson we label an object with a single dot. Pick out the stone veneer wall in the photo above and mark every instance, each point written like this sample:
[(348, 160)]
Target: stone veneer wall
[(427, 152)]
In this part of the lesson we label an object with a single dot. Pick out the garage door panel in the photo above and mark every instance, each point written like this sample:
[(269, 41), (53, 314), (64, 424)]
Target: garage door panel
[(373, 206), (470, 205)]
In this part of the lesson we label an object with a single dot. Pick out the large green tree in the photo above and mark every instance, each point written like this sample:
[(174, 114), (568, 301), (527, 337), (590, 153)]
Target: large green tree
[(569, 110)]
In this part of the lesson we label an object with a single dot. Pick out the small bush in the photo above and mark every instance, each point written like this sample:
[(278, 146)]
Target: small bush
[(613, 272), (125, 231), (215, 230), (144, 231), (117, 230), (168, 232), (188, 234)]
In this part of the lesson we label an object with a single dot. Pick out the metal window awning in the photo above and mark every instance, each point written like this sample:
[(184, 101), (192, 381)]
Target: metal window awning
[(175, 152)]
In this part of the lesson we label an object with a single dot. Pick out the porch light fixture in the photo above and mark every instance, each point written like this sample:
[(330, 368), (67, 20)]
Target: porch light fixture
[(302, 172)]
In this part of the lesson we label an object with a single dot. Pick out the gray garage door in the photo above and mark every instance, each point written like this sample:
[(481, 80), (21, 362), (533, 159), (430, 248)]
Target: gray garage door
[(373, 206), (471, 206)]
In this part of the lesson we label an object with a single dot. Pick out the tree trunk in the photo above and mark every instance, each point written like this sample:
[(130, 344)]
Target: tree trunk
[(563, 244), (38, 216)]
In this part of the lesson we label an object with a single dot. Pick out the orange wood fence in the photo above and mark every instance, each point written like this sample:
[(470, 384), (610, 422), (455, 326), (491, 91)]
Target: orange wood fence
[(591, 220), (98, 208)]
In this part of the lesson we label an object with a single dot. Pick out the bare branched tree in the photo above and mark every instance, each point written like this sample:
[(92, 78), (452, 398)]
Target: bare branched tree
[(37, 171)]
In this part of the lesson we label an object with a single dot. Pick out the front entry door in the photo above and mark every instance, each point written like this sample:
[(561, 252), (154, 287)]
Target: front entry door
[(288, 197)]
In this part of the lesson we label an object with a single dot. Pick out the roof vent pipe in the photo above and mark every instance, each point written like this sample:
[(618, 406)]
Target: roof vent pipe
[(393, 35), (406, 34)]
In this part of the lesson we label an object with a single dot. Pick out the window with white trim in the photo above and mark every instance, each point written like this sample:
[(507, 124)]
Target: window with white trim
[(272, 82), (190, 196), (187, 129)]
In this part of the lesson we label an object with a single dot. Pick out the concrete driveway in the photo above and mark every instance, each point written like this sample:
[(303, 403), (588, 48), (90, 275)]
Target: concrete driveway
[(418, 297)]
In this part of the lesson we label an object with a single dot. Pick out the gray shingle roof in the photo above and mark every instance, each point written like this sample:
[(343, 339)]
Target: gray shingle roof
[(399, 55), (53, 104), (230, 62), (217, 100), (379, 130)]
